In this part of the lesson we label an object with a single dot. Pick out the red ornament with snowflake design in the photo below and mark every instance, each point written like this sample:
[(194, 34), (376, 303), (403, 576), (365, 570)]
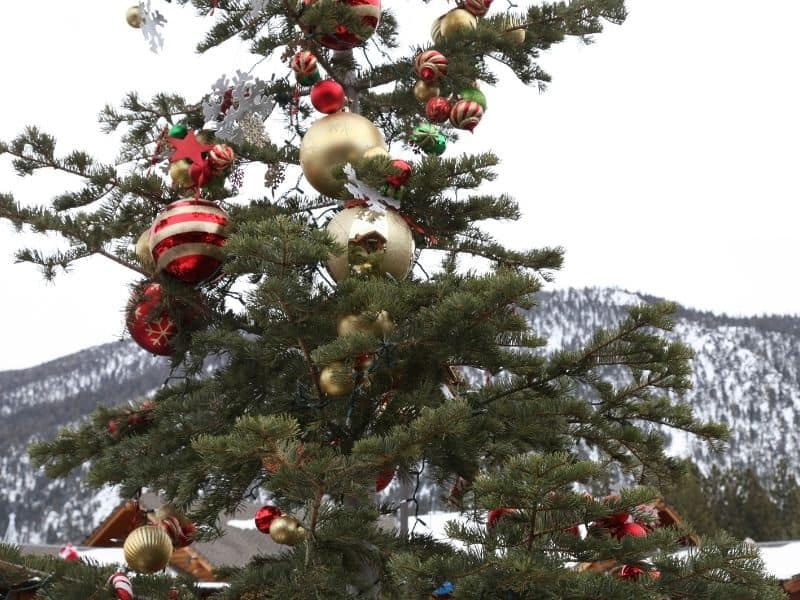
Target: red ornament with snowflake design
[(148, 323)]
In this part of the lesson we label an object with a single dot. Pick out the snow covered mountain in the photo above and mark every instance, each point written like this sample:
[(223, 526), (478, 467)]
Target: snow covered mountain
[(747, 375)]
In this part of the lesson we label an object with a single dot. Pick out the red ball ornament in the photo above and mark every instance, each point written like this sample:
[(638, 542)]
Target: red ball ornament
[(438, 109), (344, 39), (631, 529), (304, 63), (328, 96), (264, 517), (403, 172), (477, 7), (220, 158), (431, 66), (466, 114), (200, 173), (112, 426), (496, 514), (187, 239), (149, 325), (384, 478)]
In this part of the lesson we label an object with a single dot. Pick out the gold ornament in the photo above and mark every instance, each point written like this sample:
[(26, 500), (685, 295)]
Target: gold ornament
[(335, 380), (450, 23), (375, 152), (349, 324), (516, 36), (147, 549), (333, 141), (134, 17), (375, 242), (144, 254), (424, 91), (287, 530), (179, 172), (383, 323)]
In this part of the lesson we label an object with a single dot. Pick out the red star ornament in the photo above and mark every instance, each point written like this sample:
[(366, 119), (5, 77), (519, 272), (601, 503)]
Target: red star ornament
[(189, 147)]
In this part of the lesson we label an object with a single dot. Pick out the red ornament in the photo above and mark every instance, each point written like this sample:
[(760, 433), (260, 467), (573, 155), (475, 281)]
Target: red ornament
[(112, 426), (466, 114), (438, 109), (304, 63), (574, 530), (187, 239), (477, 7), (220, 158), (400, 178), (496, 514), (431, 66), (343, 38), (189, 147), (631, 529), (328, 96), (173, 594), (149, 325), (264, 517), (122, 585), (632, 573), (180, 534), (200, 173), (384, 478), (69, 553)]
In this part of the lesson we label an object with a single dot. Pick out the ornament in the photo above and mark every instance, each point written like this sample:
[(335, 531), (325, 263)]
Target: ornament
[(445, 590), (496, 514), (475, 95), (449, 24), (332, 141), (429, 139), (384, 478), (336, 380), (150, 325), (69, 553), (631, 529), (147, 549), (424, 91), (287, 530), (187, 239), (178, 131), (514, 31), (375, 242), (181, 534), (190, 147), (466, 114), (328, 96), (112, 426), (143, 252), (344, 39), (221, 157), (431, 66), (134, 17), (477, 7), (265, 516), (438, 109), (384, 323), (632, 573), (304, 64), (350, 324), (200, 174), (179, 172), (307, 80), (121, 585), (401, 174)]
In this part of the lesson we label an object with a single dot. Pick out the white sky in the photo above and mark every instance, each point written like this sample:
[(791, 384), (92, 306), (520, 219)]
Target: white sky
[(663, 157)]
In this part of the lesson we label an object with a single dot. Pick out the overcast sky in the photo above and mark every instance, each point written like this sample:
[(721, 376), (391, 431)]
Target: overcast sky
[(663, 157)]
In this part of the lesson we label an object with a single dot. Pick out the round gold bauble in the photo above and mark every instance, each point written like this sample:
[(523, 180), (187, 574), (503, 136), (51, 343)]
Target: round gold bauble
[(454, 21), (331, 142), (287, 530), (424, 91), (376, 243), (375, 152), (144, 254), (349, 324), (134, 17), (336, 380), (147, 549), (383, 323), (179, 173), (516, 36)]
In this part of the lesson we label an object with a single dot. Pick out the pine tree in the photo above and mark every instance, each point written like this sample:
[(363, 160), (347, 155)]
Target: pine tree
[(312, 416)]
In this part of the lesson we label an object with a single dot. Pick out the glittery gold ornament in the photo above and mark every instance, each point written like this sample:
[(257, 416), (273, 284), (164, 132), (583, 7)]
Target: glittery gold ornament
[(376, 243), (134, 17), (424, 91), (179, 173), (349, 324), (287, 530), (332, 141), (147, 549), (144, 254), (336, 379), (452, 22)]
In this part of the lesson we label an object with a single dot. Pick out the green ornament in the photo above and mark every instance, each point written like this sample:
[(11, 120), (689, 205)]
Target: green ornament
[(307, 80), (429, 138), (475, 96), (178, 131), (393, 192)]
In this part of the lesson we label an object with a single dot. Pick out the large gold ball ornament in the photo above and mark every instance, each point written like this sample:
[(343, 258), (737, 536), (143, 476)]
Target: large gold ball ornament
[(332, 141), (179, 173), (134, 17), (516, 36), (336, 380), (376, 152), (376, 243), (147, 549), (143, 252), (287, 530), (424, 91), (452, 22)]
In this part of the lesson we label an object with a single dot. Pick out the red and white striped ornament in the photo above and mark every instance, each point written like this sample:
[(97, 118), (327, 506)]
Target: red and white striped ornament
[(343, 38), (304, 63), (221, 157), (431, 66), (122, 585), (187, 239), (69, 552), (477, 7), (181, 535), (466, 114)]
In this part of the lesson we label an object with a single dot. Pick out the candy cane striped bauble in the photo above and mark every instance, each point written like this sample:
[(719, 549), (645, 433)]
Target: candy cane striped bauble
[(431, 66), (344, 39), (221, 157), (477, 7), (466, 114), (304, 63), (187, 239), (181, 535), (69, 553), (122, 585)]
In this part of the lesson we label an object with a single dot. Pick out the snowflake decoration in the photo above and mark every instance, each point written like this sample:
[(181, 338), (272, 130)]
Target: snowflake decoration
[(152, 21), (161, 331), (360, 190), (235, 101)]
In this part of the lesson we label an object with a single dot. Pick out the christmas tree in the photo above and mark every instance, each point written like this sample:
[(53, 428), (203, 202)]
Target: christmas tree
[(339, 363)]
